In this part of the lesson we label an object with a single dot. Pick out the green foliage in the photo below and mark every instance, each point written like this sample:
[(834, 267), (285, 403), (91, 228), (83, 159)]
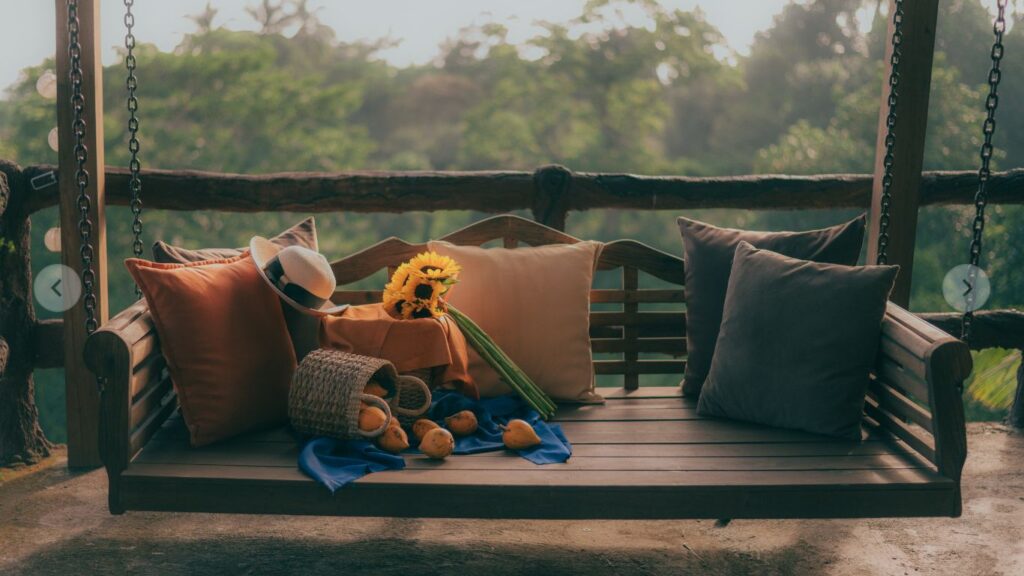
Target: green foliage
[(628, 85)]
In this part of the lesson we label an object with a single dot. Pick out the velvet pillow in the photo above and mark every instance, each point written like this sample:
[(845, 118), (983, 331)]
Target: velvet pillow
[(301, 234), (708, 252), (535, 304), (223, 335), (797, 342)]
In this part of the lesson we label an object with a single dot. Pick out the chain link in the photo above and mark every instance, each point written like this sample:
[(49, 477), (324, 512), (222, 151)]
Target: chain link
[(134, 166), (988, 130), (890, 134), (81, 153)]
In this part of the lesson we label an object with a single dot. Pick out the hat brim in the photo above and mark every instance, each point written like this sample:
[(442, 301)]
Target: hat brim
[(263, 251)]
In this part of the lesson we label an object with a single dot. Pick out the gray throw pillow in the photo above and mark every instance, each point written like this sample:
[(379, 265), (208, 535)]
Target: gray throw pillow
[(301, 234), (797, 342), (708, 252)]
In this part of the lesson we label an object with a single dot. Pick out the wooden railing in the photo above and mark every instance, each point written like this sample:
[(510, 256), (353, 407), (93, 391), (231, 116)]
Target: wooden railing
[(550, 193)]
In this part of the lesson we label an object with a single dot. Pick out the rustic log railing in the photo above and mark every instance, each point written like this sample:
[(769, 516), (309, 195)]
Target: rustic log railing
[(550, 193)]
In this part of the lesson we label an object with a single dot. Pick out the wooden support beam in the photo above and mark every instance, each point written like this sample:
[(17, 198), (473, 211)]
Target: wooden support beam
[(82, 392), (376, 192), (915, 76)]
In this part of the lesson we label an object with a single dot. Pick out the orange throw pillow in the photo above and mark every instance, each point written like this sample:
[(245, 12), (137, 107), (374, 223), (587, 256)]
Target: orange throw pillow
[(223, 335), (535, 303)]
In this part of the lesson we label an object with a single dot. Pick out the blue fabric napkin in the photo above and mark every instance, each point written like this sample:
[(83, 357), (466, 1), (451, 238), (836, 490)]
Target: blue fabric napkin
[(490, 414), (335, 463)]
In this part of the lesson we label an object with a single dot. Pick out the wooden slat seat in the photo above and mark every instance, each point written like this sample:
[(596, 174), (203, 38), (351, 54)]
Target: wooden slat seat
[(645, 453), (634, 458)]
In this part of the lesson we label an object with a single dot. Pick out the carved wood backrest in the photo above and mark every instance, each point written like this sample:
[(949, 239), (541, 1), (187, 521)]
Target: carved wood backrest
[(629, 340)]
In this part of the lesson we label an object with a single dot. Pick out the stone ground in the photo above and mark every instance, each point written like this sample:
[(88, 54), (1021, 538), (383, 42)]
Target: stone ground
[(55, 522)]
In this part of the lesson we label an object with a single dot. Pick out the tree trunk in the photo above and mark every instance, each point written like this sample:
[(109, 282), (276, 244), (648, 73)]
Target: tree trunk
[(21, 438)]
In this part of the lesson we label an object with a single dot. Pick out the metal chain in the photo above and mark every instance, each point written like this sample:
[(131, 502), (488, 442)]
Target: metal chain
[(988, 129), (81, 172), (134, 166), (890, 134)]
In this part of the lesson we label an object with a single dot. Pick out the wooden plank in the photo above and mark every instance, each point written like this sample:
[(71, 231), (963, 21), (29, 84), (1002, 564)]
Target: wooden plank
[(906, 359), (637, 318), (603, 296), (915, 74), (614, 432), (83, 402), (505, 191), (895, 375), (148, 372), (644, 392), (439, 475), (639, 367), (873, 445), (152, 398), (548, 502), (625, 413), (630, 282), (152, 423), (898, 428), (672, 346), (643, 331), (630, 253), (898, 404), (286, 456)]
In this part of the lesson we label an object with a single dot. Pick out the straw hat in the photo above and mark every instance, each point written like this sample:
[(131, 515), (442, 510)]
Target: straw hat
[(301, 277)]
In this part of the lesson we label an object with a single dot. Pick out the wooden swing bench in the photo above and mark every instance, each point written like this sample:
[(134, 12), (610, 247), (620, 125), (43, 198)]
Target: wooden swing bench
[(645, 454)]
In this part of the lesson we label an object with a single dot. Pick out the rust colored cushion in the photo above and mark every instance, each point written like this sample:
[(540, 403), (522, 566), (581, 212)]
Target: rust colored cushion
[(708, 252), (535, 304), (301, 234), (224, 337), (411, 345)]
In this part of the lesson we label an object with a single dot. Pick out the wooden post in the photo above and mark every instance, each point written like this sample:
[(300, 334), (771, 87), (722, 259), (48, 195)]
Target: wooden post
[(551, 195), (82, 392), (915, 70)]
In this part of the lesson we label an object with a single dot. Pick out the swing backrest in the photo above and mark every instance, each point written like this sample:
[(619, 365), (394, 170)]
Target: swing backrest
[(633, 330)]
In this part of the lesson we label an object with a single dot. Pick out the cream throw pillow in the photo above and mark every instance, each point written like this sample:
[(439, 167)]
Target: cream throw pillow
[(535, 304)]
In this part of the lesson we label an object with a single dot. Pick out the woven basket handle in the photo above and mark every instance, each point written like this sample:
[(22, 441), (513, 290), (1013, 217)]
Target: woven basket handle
[(379, 403), (405, 378)]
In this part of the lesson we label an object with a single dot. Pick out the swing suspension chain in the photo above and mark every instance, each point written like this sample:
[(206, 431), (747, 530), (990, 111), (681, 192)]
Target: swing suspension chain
[(83, 201), (981, 196), (890, 135), (134, 166)]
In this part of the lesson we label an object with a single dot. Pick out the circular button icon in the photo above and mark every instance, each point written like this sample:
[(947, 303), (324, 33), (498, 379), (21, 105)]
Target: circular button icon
[(57, 288), (966, 288)]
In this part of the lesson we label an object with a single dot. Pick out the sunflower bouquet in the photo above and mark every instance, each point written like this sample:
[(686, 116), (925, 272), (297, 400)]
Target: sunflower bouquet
[(418, 289)]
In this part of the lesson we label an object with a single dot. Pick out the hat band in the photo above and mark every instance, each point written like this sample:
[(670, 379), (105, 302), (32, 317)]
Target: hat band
[(303, 297)]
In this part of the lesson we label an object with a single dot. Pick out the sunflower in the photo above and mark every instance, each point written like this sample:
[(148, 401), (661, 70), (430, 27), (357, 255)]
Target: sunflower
[(418, 287), (434, 266)]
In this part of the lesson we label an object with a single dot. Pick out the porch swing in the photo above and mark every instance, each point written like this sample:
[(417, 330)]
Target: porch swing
[(645, 454)]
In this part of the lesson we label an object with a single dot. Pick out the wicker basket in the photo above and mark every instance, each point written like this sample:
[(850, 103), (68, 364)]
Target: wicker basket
[(327, 393)]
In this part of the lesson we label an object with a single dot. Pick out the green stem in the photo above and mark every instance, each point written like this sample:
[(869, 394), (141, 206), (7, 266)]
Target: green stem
[(503, 365)]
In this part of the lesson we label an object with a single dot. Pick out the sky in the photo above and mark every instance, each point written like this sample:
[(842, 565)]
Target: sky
[(420, 25)]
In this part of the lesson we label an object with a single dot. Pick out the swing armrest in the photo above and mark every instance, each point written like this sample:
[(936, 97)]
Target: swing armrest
[(915, 390), (137, 392)]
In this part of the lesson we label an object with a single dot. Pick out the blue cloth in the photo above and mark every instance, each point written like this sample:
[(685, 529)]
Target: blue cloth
[(335, 463), (491, 413)]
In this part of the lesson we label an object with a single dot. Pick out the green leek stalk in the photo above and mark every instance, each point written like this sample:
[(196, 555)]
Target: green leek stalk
[(503, 365)]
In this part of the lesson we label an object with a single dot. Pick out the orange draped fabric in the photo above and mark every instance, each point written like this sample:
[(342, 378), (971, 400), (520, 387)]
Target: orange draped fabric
[(408, 344)]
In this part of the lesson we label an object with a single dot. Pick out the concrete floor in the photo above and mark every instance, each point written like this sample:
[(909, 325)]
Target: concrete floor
[(54, 522)]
